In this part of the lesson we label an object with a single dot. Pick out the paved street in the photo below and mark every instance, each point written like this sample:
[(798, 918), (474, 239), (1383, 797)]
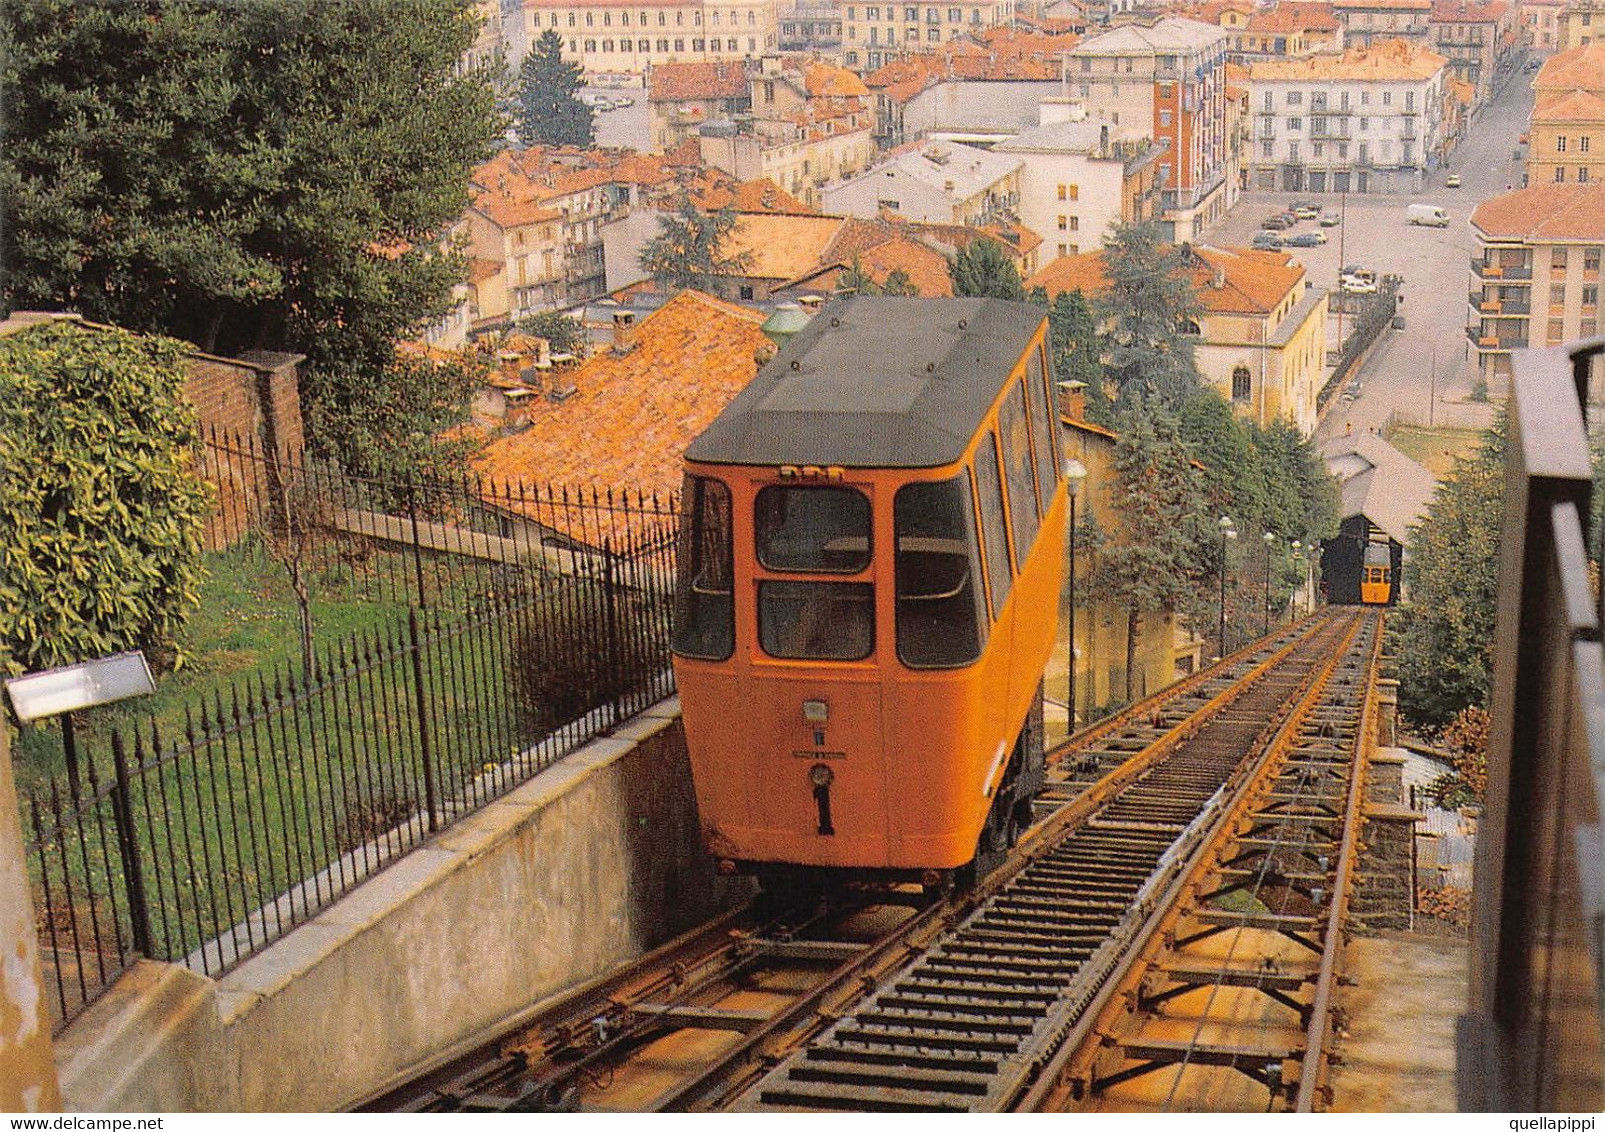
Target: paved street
[(1432, 351)]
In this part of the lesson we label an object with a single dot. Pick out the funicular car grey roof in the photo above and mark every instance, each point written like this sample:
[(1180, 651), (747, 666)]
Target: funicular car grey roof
[(875, 382)]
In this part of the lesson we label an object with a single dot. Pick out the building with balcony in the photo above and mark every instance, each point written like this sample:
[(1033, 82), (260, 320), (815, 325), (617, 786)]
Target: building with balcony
[(935, 183), (1167, 78), (628, 36), (1567, 135), (811, 27), (875, 34), (1478, 39), (1079, 179), (1371, 120), (1286, 30), (1369, 21), (683, 97), (1535, 279)]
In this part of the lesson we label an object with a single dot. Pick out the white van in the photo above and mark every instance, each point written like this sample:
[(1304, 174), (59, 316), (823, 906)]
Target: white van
[(1431, 215)]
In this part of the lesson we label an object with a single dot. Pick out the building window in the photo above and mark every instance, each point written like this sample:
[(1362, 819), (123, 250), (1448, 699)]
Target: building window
[(1557, 331), (934, 35), (1557, 259), (1164, 118), (1591, 296), (1267, 148), (1242, 384), (1582, 144), (590, 45), (1062, 251), (1557, 295), (1295, 97), (1582, 174), (1269, 104), (1075, 192), (1292, 151), (1560, 144), (1062, 191), (1075, 224), (1365, 98), (1560, 174), (1387, 98), (1591, 259), (1318, 149)]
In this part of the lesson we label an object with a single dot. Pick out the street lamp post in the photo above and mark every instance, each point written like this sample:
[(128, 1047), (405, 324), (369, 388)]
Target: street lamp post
[(1298, 561), (1227, 531), (1074, 474), (1269, 539)]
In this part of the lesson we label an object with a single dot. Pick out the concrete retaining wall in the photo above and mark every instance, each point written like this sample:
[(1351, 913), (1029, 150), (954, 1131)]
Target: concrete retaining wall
[(592, 862)]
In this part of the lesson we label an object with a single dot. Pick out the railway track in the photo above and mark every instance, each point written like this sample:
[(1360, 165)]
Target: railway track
[(967, 1005)]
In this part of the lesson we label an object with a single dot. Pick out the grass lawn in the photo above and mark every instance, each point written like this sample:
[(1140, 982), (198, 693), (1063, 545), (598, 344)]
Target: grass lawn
[(1435, 449)]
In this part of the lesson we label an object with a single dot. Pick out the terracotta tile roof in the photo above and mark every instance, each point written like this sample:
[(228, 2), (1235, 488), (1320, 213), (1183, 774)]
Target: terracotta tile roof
[(1581, 68), (1387, 5), (633, 415), (926, 269), (480, 270), (782, 247), (1290, 17), (715, 190), (509, 212), (1228, 280), (1569, 106), (1000, 54), (1457, 12), (822, 80), (674, 82), (1385, 59), (1545, 213)]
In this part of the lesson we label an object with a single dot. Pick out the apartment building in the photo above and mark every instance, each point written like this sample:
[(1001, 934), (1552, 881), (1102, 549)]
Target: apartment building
[(1567, 131), (1371, 120), (811, 27), (1368, 21), (628, 36), (1580, 23), (1288, 29), (1478, 39), (1079, 179), (935, 183), (681, 98), (1535, 276), (1167, 78), (1540, 24), (875, 34)]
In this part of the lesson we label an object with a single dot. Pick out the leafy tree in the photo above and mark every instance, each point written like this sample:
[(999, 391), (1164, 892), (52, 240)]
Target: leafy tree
[(1073, 348), (1224, 446), (1301, 497), (984, 271), (1447, 630), (1147, 310), (99, 500), (562, 332), (1161, 557), (689, 249), (269, 175), (549, 112)]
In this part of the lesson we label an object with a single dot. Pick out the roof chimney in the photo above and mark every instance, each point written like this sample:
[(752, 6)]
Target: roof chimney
[(1073, 400), (623, 332)]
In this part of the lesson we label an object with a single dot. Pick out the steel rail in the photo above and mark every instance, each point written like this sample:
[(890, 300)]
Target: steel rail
[(1066, 1073), (1312, 1073)]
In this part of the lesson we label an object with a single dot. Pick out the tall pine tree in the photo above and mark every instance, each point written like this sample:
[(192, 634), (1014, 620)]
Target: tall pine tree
[(1163, 553), (1150, 312), (549, 112), (983, 271), (690, 249)]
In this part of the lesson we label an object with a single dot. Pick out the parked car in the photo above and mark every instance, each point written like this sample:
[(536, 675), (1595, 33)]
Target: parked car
[(1312, 239), (620, 101), (1330, 220), (1267, 242), (1452, 181), (1277, 221), (1357, 280), (1306, 210)]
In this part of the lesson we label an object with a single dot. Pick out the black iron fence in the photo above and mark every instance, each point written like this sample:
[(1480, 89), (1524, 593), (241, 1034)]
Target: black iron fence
[(534, 620)]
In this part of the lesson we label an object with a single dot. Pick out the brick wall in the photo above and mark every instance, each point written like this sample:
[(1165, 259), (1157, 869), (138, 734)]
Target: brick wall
[(255, 396)]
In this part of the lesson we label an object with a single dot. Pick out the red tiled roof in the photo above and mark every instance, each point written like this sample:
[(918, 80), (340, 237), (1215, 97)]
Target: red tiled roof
[(1251, 282), (1581, 68), (1459, 12), (1544, 213), (1569, 106), (673, 82), (714, 191), (633, 415)]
